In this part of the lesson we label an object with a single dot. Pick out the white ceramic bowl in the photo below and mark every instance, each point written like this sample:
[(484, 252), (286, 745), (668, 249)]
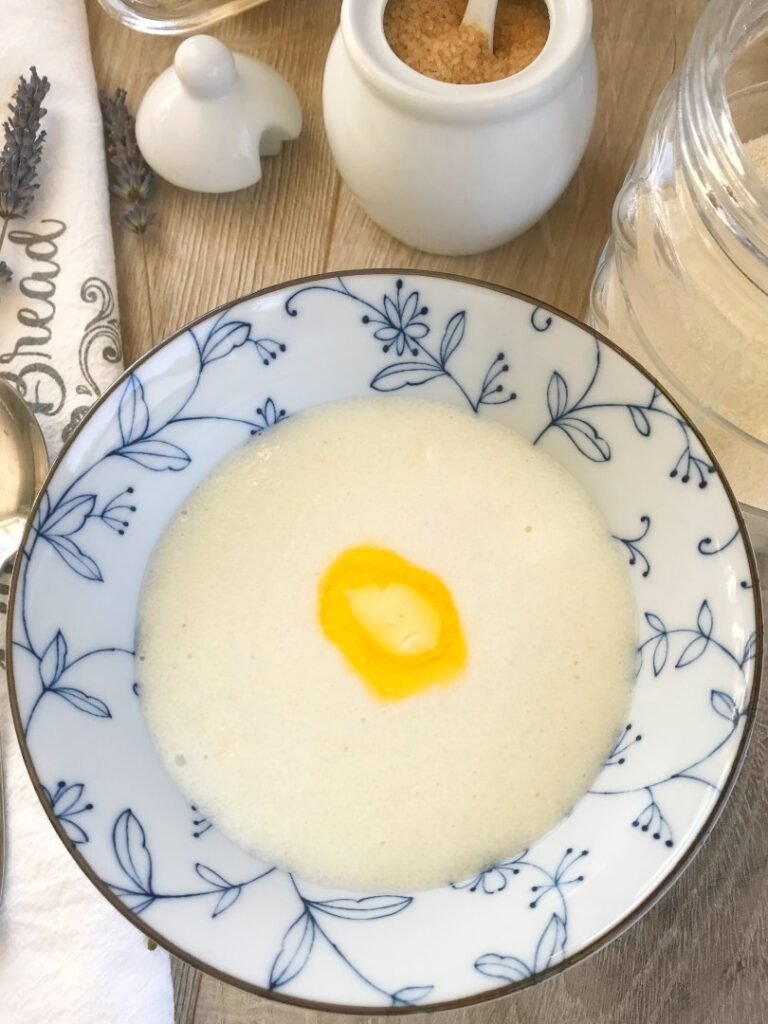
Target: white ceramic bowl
[(233, 374), (450, 168)]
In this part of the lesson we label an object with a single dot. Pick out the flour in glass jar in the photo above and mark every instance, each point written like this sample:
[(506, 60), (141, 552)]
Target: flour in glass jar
[(706, 324)]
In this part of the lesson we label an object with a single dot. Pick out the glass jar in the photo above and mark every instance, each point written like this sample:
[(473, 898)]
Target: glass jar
[(683, 282), (172, 17)]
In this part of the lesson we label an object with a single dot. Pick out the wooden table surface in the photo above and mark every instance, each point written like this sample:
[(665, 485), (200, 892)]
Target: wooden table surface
[(701, 955)]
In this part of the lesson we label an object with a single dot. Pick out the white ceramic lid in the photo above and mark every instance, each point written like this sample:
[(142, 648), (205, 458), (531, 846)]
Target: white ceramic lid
[(205, 123)]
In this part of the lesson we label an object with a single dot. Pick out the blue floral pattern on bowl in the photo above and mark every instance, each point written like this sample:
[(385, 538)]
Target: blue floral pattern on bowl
[(229, 377)]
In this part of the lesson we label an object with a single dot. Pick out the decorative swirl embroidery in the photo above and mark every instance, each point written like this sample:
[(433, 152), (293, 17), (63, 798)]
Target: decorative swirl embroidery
[(102, 333)]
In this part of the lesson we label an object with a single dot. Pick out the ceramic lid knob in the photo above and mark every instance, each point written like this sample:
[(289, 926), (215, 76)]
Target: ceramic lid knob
[(205, 123), (205, 66)]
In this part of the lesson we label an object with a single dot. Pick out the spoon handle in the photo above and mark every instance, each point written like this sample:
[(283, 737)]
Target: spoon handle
[(483, 14)]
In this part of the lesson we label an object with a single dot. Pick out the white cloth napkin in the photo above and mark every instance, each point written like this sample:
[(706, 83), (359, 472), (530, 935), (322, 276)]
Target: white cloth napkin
[(66, 955)]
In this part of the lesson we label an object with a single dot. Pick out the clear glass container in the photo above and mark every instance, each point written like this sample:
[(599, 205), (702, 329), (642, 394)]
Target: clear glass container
[(172, 17), (683, 282)]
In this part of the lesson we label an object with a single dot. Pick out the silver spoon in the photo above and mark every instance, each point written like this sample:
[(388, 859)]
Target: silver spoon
[(23, 465), (481, 13)]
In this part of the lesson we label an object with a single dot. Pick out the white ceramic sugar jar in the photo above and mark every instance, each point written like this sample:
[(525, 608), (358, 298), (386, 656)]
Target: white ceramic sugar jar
[(457, 169)]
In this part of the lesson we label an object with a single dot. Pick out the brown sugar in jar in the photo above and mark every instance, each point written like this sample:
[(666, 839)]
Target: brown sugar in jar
[(429, 37)]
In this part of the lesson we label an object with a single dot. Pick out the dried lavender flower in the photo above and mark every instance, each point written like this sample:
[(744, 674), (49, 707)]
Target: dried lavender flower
[(138, 218), (6, 274), (23, 146), (132, 179)]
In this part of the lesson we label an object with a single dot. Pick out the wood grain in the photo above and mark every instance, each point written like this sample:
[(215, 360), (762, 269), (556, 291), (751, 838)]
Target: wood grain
[(700, 956)]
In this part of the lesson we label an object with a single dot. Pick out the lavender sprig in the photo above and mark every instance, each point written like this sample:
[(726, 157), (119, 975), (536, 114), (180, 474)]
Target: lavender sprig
[(130, 177), (21, 154), (138, 218), (132, 180), (23, 146)]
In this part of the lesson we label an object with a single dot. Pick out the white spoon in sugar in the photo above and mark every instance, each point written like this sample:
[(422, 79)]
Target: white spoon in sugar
[(481, 13)]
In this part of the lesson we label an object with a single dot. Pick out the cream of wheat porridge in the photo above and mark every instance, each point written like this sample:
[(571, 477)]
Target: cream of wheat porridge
[(386, 644)]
